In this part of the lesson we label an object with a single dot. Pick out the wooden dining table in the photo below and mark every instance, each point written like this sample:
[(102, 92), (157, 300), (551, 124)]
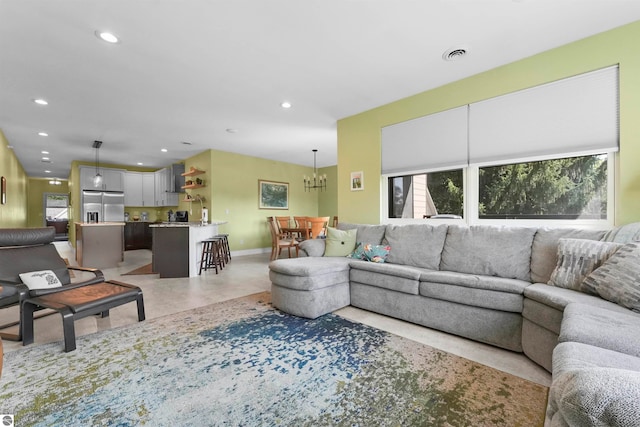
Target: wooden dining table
[(303, 232)]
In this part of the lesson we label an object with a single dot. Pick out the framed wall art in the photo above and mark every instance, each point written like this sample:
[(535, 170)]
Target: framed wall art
[(357, 181), (273, 195)]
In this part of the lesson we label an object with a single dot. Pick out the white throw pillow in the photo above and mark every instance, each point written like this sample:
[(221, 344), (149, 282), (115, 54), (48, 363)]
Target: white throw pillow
[(43, 279)]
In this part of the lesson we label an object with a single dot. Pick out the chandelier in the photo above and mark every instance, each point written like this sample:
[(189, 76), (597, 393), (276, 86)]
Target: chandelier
[(319, 181), (97, 180)]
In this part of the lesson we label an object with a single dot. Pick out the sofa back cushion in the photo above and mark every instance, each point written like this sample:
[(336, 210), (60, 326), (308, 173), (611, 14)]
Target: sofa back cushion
[(418, 245), (490, 250), (16, 260), (366, 233), (544, 251)]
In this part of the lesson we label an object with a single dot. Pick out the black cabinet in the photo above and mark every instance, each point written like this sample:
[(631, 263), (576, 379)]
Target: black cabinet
[(137, 235)]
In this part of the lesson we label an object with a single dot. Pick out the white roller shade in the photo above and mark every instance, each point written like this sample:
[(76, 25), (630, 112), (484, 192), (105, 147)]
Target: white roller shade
[(432, 142), (569, 116)]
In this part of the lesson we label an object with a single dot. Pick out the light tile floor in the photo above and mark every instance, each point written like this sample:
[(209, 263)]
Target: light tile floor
[(244, 276)]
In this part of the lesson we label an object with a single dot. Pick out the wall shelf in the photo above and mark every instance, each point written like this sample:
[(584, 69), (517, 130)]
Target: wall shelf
[(193, 172), (190, 186)]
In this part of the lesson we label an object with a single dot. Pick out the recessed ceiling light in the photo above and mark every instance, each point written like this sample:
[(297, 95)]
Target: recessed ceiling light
[(164, 150), (107, 36), (139, 163), (40, 101), (47, 171), (286, 104), (45, 159), (43, 134), (455, 53), (44, 152)]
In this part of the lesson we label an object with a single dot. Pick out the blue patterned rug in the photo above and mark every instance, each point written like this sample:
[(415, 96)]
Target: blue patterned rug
[(242, 363)]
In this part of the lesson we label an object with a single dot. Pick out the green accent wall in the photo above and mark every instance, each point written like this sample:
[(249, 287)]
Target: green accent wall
[(13, 214), (359, 135), (37, 188), (231, 194), (328, 200)]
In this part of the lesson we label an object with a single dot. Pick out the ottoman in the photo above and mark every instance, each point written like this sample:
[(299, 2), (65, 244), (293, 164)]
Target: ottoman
[(310, 287)]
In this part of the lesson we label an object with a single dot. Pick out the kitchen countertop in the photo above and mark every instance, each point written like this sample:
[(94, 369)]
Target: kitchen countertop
[(99, 224), (186, 224)]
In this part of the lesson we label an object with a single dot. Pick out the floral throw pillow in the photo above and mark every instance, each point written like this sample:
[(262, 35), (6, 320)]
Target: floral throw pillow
[(371, 253)]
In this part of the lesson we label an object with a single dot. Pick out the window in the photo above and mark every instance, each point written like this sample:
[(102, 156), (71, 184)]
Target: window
[(426, 195), (566, 189)]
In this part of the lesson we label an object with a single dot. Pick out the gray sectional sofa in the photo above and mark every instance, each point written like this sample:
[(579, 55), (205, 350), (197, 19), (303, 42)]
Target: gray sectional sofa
[(489, 284)]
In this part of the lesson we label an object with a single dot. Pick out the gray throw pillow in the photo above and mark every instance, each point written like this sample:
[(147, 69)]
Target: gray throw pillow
[(577, 258), (618, 279)]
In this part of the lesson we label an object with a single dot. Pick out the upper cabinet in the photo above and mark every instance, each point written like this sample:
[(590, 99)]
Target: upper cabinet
[(165, 195), (112, 179)]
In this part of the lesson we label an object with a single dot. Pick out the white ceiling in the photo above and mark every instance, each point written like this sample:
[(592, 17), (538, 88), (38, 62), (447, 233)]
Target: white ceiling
[(188, 70)]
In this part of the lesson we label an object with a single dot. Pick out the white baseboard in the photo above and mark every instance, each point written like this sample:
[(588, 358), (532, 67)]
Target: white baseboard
[(256, 251)]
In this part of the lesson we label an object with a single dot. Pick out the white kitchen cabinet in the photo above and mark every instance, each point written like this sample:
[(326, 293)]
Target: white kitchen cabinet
[(148, 189), (133, 191), (162, 182), (161, 187), (139, 189), (112, 179)]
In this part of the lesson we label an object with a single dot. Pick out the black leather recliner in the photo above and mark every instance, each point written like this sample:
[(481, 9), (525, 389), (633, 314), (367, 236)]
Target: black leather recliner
[(23, 250)]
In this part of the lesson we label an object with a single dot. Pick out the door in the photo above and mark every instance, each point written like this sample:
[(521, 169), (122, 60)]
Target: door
[(56, 213)]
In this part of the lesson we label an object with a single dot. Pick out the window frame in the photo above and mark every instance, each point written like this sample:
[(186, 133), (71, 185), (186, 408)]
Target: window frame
[(471, 191)]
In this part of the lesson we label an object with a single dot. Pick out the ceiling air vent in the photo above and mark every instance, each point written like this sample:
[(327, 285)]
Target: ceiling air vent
[(455, 53)]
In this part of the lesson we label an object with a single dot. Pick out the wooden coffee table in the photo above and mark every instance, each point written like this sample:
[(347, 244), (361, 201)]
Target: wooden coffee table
[(77, 303)]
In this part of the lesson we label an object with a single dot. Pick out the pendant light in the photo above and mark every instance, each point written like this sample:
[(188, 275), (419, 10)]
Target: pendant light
[(97, 180), (319, 181)]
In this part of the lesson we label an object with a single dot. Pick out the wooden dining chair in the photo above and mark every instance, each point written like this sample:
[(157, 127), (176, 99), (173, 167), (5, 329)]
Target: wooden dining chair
[(335, 222), (318, 226), (280, 240), (283, 222), (301, 223)]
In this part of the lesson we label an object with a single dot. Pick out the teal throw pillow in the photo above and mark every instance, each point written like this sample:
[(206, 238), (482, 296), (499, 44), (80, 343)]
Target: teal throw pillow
[(376, 253), (358, 252), (369, 252), (339, 242)]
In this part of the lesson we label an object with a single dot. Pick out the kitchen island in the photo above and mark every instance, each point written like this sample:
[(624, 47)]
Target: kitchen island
[(177, 247), (100, 244)]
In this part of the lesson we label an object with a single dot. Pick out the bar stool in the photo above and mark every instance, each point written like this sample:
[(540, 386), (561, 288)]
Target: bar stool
[(211, 255), (225, 246)]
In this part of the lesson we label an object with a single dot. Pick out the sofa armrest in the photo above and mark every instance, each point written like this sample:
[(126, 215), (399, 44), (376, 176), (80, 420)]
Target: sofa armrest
[(313, 247)]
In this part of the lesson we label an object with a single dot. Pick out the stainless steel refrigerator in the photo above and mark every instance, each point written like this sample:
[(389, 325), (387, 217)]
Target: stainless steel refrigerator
[(102, 206)]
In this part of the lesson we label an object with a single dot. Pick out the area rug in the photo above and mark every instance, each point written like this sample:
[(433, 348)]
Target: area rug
[(243, 363), (145, 269)]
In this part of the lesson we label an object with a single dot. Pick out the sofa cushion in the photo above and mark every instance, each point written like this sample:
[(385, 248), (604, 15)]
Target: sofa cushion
[(601, 328), (366, 233), (418, 245), (388, 276), (543, 315), (312, 247), (491, 283), (544, 250), (595, 397), (559, 298), (339, 242), (577, 258), (311, 266), (618, 278), (568, 356), (488, 250), (473, 296)]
